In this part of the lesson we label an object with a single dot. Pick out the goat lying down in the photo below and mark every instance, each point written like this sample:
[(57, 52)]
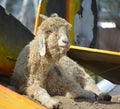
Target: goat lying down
[(38, 69), (70, 79)]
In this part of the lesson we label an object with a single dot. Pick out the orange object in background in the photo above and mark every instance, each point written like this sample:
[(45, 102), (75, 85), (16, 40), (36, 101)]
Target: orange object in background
[(12, 100)]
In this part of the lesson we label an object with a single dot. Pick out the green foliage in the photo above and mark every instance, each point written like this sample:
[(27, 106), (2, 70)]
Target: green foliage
[(94, 76)]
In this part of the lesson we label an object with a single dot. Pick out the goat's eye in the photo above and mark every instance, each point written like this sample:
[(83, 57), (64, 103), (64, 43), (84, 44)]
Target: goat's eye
[(49, 31)]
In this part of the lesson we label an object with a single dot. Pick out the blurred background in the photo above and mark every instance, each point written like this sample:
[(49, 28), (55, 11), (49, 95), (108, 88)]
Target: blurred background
[(107, 16), (103, 16)]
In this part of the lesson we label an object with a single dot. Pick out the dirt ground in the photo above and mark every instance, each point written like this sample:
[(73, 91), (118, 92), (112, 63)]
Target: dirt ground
[(81, 103), (87, 104)]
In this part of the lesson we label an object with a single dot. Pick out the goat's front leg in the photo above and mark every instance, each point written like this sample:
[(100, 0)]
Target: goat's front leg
[(41, 95), (90, 85), (75, 91)]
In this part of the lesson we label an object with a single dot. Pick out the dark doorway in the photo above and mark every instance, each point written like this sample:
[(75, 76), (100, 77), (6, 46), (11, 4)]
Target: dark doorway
[(56, 6)]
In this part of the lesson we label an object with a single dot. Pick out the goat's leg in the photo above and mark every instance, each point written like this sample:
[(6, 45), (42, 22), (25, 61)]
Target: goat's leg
[(90, 85), (41, 95), (74, 90)]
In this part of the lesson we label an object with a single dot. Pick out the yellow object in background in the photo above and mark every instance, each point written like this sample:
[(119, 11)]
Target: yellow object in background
[(37, 22), (72, 6), (102, 62)]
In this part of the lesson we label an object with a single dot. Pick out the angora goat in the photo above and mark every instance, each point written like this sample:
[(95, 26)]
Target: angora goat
[(40, 73), (33, 63)]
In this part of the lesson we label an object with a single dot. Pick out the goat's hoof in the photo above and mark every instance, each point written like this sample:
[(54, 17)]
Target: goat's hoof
[(92, 96), (104, 97), (70, 96), (54, 104)]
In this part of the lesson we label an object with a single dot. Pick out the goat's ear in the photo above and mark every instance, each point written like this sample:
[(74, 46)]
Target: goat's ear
[(42, 46), (68, 25), (54, 15), (43, 17)]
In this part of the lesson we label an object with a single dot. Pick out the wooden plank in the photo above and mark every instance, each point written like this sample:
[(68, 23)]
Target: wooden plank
[(12, 100)]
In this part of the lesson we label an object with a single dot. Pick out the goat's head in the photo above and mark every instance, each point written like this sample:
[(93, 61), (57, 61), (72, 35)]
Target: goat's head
[(54, 38)]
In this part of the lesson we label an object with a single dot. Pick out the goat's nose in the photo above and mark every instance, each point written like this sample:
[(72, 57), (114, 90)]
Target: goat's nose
[(66, 42)]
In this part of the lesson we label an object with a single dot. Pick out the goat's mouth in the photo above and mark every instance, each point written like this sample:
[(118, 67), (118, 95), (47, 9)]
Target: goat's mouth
[(65, 48)]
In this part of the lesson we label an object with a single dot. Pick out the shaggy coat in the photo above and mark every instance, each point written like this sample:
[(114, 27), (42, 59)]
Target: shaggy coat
[(71, 80), (43, 70), (35, 60)]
